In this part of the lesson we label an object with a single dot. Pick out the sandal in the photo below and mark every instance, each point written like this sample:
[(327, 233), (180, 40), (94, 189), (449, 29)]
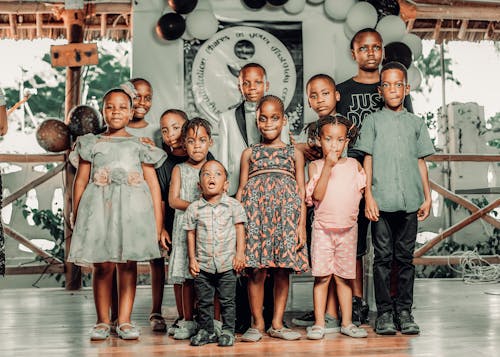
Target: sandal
[(251, 335), (131, 333), (157, 322), (283, 333), (100, 332), (315, 332)]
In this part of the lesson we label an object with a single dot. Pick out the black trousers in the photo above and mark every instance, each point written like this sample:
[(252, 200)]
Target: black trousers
[(206, 284), (394, 237)]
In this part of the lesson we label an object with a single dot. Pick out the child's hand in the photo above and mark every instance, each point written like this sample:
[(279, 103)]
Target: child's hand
[(239, 262), (310, 152), (194, 268), (331, 159), (164, 238), (302, 235), (147, 141), (424, 210), (371, 208)]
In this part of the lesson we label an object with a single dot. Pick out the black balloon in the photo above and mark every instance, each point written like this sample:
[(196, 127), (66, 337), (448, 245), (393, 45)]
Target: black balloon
[(385, 7), (399, 52), (277, 2), (170, 26), (53, 135), (254, 4), (182, 6), (84, 119)]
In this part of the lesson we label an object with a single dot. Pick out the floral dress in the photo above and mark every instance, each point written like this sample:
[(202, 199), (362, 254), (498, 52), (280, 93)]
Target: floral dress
[(272, 203), (115, 220)]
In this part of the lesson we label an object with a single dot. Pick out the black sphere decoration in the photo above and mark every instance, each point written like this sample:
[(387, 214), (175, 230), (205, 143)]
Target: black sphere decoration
[(254, 4), (399, 52), (84, 119), (53, 135), (182, 6), (170, 26), (277, 2), (385, 7)]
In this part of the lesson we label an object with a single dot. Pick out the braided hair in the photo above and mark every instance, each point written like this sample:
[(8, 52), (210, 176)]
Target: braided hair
[(338, 119)]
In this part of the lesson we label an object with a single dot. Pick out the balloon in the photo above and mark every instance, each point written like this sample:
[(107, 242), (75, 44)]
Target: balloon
[(385, 7), (254, 4), (53, 135), (294, 6), (360, 16), (337, 10), (84, 119), (182, 6), (392, 28), (349, 34), (202, 24), (415, 44), (399, 52), (315, 2), (277, 2), (414, 77), (170, 26)]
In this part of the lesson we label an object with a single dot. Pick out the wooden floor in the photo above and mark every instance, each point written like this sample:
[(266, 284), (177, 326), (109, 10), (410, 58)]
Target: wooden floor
[(456, 320)]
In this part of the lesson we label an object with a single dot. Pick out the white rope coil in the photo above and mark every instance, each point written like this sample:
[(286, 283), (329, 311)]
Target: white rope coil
[(474, 269)]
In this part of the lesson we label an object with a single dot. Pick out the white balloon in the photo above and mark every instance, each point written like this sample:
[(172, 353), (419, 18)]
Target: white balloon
[(415, 44), (338, 9), (349, 34), (316, 2), (360, 16), (187, 36), (392, 28), (203, 5), (294, 6), (202, 24), (414, 77)]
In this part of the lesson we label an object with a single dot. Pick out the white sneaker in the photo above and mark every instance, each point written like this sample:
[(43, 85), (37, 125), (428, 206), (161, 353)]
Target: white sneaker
[(217, 328), (186, 330)]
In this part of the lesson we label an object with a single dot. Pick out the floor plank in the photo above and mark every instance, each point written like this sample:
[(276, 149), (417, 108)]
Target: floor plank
[(456, 320)]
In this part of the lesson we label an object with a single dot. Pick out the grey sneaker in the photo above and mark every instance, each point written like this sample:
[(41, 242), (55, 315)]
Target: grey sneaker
[(406, 324), (353, 331), (332, 324), (186, 330), (384, 324), (217, 328), (315, 332), (305, 320)]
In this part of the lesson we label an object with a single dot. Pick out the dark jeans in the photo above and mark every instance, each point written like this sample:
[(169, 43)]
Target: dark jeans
[(393, 238), (363, 224), (206, 284)]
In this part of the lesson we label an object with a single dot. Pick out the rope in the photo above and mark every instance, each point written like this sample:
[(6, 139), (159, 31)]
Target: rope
[(474, 269)]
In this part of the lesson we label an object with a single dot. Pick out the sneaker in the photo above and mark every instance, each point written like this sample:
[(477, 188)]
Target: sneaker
[(305, 320), (157, 323), (406, 324), (384, 325), (171, 330), (217, 327), (203, 338), (332, 324), (364, 311), (283, 333), (186, 330), (353, 331), (356, 313), (226, 339), (315, 332)]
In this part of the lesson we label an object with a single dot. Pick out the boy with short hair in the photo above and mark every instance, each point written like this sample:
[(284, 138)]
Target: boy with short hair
[(216, 249), (397, 196)]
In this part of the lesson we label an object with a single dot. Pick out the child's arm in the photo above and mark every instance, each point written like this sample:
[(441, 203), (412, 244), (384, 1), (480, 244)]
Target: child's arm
[(300, 178), (239, 258), (371, 207), (154, 187), (320, 190), (174, 193), (244, 166), (164, 236), (425, 208), (194, 268), (81, 181)]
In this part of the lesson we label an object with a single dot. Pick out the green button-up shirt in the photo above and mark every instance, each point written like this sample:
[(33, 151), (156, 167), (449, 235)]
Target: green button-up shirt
[(396, 140)]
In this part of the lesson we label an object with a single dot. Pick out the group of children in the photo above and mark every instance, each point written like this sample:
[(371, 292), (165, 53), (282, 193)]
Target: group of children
[(186, 207)]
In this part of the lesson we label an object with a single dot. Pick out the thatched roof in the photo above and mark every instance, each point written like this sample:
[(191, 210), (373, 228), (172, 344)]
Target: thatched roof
[(429, 19), (34, 19)]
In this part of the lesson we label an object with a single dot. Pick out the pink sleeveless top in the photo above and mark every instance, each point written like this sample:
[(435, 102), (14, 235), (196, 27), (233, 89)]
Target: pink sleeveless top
[(340, 205)]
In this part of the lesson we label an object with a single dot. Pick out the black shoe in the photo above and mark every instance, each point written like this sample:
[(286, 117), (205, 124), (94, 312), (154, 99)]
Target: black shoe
[(364, 311), (406, 324), (226, 339), (305, 320), (356, 313), (203, 337), (384, 325)]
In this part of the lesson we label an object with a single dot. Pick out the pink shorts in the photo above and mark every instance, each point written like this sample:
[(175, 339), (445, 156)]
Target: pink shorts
[(333, 251)]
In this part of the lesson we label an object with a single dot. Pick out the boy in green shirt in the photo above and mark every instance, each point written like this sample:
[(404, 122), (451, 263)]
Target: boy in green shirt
[(397, 195)]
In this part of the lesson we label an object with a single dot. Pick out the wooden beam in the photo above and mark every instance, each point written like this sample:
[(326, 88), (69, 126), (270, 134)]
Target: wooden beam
[(34, 269), (13, 26), (462, 202), (409, 25), (463, 29), (456, 10), (456, 227), (39, 25), (35, 158), (104, 24), (454, 260), (16, 7), (464, 157), (47, 257), (490, 30), (48, 175), (437, 30)]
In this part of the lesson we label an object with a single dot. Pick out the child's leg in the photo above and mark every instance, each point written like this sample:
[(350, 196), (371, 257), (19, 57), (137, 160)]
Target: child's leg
[(256, 296), (114, 296), (205, 290), (188, 299), (320, 294), (127, 280), (332, 303), (226, 290), (157, 283), (281, 284), (102, 281), (344, 293), (217, 307), (178, 300)]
